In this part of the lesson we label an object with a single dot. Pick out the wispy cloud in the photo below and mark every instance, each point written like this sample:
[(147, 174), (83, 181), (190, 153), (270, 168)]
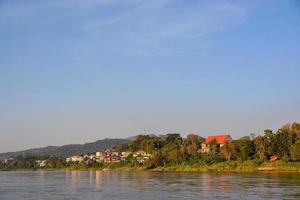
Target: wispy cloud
[(161, 28), (139, 26)]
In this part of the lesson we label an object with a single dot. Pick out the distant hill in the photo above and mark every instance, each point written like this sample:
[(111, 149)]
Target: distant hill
[(67, 150), (135, 137)]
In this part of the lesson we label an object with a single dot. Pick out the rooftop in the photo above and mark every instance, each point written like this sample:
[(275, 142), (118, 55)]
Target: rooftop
[(221, 139)]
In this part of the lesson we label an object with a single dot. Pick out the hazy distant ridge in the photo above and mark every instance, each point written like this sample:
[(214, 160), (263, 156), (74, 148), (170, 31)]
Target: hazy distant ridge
[(67, 150)]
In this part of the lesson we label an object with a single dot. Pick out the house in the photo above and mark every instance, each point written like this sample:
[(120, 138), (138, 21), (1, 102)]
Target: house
[(109, 156), (92, 157), (41, 163), (8, 160), (274, 158), (74, 159), (86, 156), (221, 140), (141, 156), (98, 154)]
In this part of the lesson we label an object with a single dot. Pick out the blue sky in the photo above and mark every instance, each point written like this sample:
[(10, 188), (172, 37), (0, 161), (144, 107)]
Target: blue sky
[(74, 71)]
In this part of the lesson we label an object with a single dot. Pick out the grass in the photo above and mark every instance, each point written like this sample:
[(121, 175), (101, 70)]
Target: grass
[(226, 166), (234, 166)]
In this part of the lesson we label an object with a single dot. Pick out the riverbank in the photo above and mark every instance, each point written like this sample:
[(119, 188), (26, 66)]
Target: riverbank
[(235, 166), (227, 166)]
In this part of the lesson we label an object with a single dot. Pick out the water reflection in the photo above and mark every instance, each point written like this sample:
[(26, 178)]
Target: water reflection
[(146, 185)]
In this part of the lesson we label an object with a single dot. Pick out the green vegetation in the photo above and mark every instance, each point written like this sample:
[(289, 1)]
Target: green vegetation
[(171, 152)]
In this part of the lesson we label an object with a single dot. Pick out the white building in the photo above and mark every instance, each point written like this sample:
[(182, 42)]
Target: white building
[(98, 154), (74, 159), (41, 163)]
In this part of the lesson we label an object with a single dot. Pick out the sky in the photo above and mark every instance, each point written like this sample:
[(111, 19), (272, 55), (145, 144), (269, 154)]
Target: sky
[(74, 71)]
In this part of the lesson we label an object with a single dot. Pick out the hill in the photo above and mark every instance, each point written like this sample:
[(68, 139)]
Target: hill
[(67, 150)]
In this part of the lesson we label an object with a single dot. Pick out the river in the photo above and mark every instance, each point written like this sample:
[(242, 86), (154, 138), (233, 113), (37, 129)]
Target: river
[(114, 185)]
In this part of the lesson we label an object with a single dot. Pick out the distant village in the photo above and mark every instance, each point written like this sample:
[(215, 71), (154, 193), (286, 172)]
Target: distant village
[(106, 156), (110, 156)]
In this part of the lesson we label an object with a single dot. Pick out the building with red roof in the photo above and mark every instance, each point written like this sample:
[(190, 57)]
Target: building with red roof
[(221, 140)]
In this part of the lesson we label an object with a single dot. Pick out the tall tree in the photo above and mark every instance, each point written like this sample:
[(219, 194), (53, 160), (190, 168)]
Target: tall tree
[(228, 151)]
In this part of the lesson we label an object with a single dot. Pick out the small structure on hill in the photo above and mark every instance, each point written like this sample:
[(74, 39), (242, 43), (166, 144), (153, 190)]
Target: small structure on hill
[(274, 158), (41, 163)]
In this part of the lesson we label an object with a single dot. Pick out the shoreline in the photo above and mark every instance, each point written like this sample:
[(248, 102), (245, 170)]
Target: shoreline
[(162, 170), (226, 167)]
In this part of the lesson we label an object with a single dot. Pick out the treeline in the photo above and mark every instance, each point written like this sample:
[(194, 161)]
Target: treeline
[(169, 149), (30, 162), (49, 162), (173, 149)]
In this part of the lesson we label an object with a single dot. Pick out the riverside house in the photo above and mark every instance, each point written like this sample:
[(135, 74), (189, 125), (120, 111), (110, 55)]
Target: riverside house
[(141, 156), (221, 140), (109, 156), (41, 163), (74, 159), (8, 160)]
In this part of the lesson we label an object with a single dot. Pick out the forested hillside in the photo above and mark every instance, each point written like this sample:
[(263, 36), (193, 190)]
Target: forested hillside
[(66, 150)]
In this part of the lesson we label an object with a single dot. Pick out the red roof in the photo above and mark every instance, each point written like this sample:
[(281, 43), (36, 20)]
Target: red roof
[(221, 139)]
